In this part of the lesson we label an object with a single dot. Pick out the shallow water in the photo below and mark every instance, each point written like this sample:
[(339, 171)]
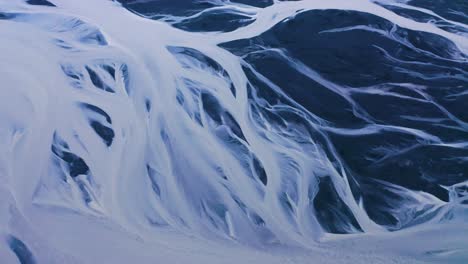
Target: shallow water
[(267, 123)]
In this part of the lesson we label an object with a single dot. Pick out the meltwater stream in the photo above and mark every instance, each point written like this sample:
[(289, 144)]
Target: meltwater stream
[(263, 123)]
